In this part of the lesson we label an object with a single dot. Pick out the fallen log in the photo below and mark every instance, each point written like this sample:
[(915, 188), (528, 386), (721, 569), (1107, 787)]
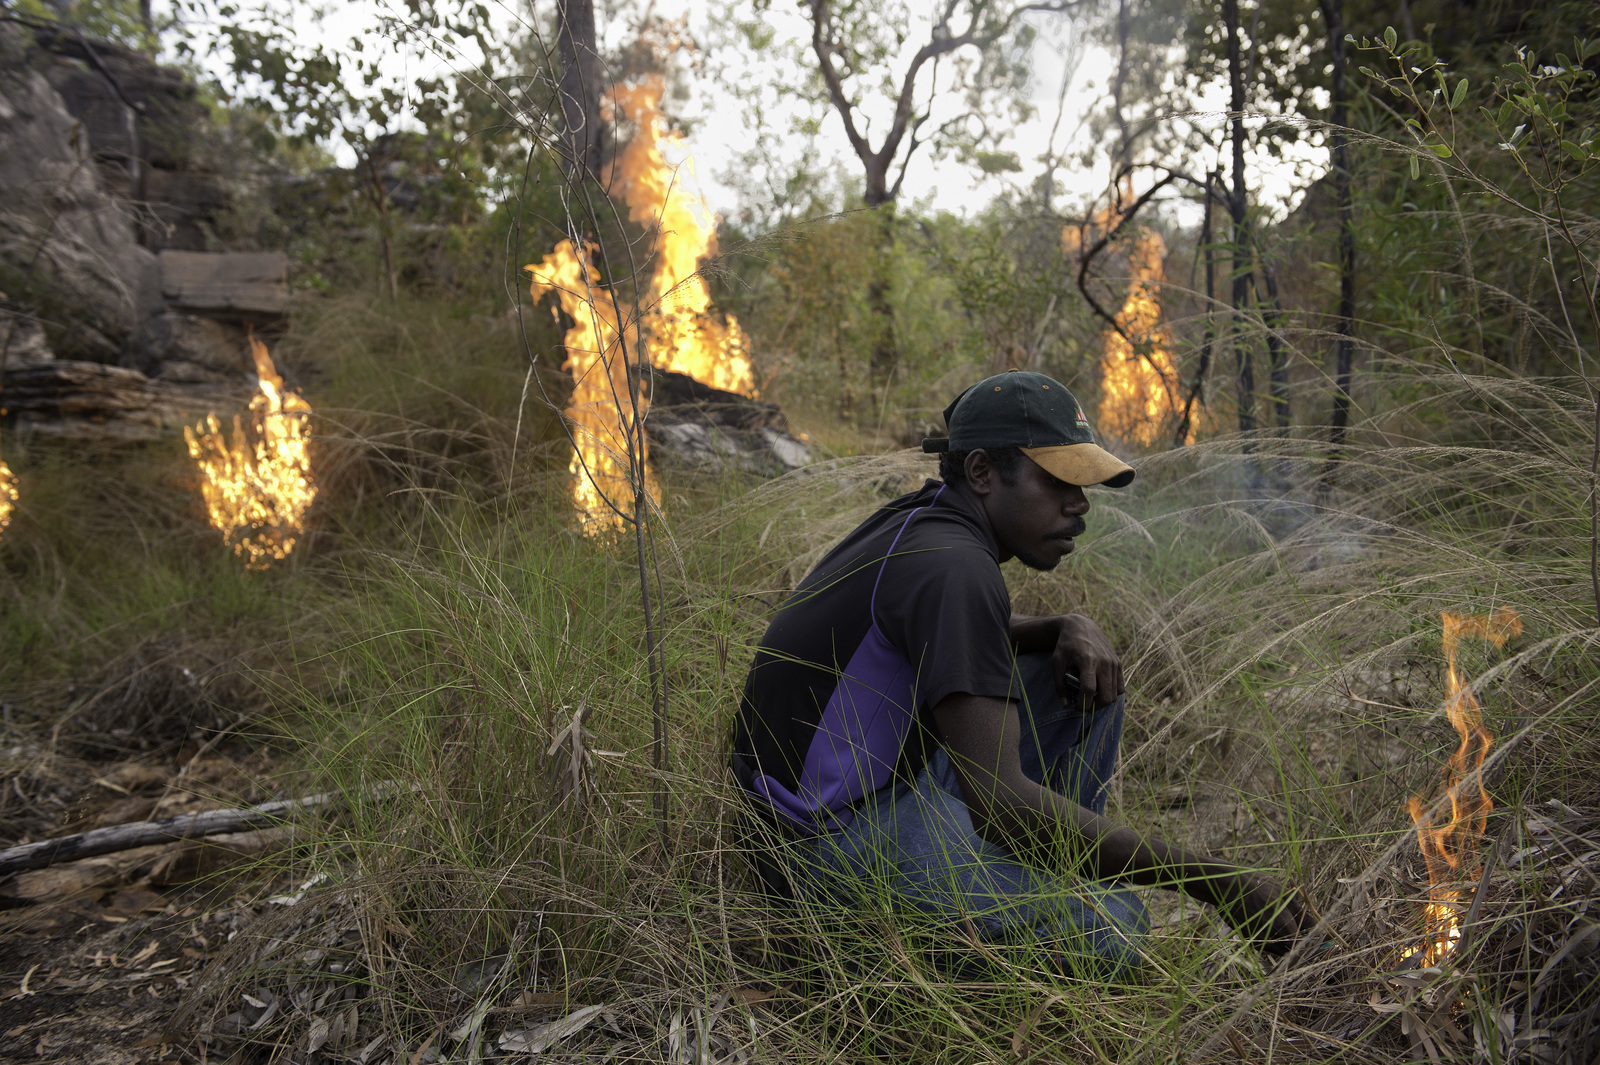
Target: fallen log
[(143, 833)]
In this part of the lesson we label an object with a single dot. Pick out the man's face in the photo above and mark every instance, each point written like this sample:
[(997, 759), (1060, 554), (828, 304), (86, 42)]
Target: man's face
[(1035, 519)]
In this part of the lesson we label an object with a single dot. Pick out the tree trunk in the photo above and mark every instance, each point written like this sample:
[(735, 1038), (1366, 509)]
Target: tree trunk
[(380, 200), (1237, 204), (1119, 86), (1277, 350), (885, 350), (580, 89), (1333, 14)]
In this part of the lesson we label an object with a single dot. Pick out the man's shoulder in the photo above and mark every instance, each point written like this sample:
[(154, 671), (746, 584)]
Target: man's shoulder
[(951, 524)]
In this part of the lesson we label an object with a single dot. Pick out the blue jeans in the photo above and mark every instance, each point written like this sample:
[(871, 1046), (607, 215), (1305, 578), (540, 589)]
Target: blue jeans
[(912, 850)]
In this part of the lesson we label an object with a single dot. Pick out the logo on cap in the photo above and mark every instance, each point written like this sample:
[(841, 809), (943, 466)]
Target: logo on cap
[(1083, 423)]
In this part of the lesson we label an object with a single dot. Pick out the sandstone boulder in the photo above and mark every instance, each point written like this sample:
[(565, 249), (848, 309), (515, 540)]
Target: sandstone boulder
[(64, 242), (709, 429)]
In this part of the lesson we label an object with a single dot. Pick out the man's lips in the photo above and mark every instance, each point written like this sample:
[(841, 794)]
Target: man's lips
[(1076, 529)]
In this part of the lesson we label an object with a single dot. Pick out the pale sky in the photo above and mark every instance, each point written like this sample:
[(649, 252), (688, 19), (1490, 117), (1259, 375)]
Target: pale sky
[(718, 120)]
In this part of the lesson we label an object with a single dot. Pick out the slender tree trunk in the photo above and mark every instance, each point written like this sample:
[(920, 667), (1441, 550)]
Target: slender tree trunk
[(380, 200), (1333, 14), (1237, 204), (1118, 87), (580, 88), (885, 347), (1277, 350), (1206, 237)]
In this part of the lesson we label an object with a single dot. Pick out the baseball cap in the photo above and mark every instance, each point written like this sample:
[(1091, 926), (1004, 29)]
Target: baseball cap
[(1038, 414)]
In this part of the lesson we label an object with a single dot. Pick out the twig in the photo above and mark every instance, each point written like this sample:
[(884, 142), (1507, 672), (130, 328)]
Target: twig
[(185, 826)]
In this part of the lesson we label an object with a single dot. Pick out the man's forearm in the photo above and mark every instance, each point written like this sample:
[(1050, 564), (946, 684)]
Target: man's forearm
[(1030, 633), (1059, 832)]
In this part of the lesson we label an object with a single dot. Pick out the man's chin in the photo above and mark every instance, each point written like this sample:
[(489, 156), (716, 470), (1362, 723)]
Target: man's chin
[(1045, 561)]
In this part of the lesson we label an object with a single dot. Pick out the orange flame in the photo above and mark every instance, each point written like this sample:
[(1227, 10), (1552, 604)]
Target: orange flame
[(677, 327), (8, 494), (257, 489), (684, 336), (1447, 846), (1138, 381), (600, 410)]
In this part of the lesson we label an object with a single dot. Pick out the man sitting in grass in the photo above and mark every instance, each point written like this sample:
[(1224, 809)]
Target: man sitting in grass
[(908, 742)]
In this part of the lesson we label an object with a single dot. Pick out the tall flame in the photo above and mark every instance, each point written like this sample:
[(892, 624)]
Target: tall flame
[(257, 489), (601, 410), (677, 327), (1448, 846), (684, 337), (1138, 381)]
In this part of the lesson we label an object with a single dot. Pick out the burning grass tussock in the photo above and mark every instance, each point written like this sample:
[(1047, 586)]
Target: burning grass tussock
[(258, 489)]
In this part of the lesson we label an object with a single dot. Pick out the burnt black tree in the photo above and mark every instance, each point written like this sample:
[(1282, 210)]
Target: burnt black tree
[(1277, 350), (1344, 323), (1213, 180)]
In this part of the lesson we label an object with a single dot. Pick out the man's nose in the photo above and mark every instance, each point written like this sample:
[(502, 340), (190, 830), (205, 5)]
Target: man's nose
[(1076, 504)]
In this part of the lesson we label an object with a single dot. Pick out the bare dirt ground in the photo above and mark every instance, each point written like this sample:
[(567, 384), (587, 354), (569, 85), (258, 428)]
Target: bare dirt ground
[(95, 954)]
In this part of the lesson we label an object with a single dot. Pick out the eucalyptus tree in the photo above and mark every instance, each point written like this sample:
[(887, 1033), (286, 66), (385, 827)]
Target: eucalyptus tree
[(906, 79)]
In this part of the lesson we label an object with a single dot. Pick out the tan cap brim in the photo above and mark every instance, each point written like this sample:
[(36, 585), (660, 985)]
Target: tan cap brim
[(1082, 464)]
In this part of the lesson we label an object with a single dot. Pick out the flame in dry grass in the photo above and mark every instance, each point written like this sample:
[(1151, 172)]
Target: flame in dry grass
[(1448, 846), (1138, 381), (8, 495), (601, 411), (677, 327), (258, 488)]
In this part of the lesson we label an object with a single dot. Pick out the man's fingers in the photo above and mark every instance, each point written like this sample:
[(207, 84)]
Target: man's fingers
[(1110, 684)]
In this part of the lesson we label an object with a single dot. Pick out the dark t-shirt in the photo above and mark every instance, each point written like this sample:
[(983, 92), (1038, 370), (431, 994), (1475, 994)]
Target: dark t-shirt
[(907, 609)]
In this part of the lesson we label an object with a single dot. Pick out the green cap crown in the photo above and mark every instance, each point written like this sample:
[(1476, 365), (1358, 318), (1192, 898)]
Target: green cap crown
[(1018, 408)]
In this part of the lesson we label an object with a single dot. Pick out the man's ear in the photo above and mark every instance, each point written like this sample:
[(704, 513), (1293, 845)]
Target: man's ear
[(980, 472)]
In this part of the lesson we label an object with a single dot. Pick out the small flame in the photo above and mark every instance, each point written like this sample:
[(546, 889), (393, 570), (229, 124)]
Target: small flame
[(8, 494), (1138, 382), (258, 489), (1448, 846), (677, 327)]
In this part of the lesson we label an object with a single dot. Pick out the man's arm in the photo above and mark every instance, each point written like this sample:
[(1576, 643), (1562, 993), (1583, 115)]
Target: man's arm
[(1077, 647), (1041, 826)]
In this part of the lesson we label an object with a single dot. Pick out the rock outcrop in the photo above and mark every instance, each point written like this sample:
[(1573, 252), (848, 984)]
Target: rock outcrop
[(117, 297), (707, 428), (72, 400)]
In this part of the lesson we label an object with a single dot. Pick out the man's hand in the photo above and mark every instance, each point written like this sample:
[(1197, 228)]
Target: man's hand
[(1082, 652), (1263, 911), (1081, 657)]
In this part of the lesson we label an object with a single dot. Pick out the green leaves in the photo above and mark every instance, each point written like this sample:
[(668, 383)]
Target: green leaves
[(1460, 95), (1390, 38), (1416, 169)]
